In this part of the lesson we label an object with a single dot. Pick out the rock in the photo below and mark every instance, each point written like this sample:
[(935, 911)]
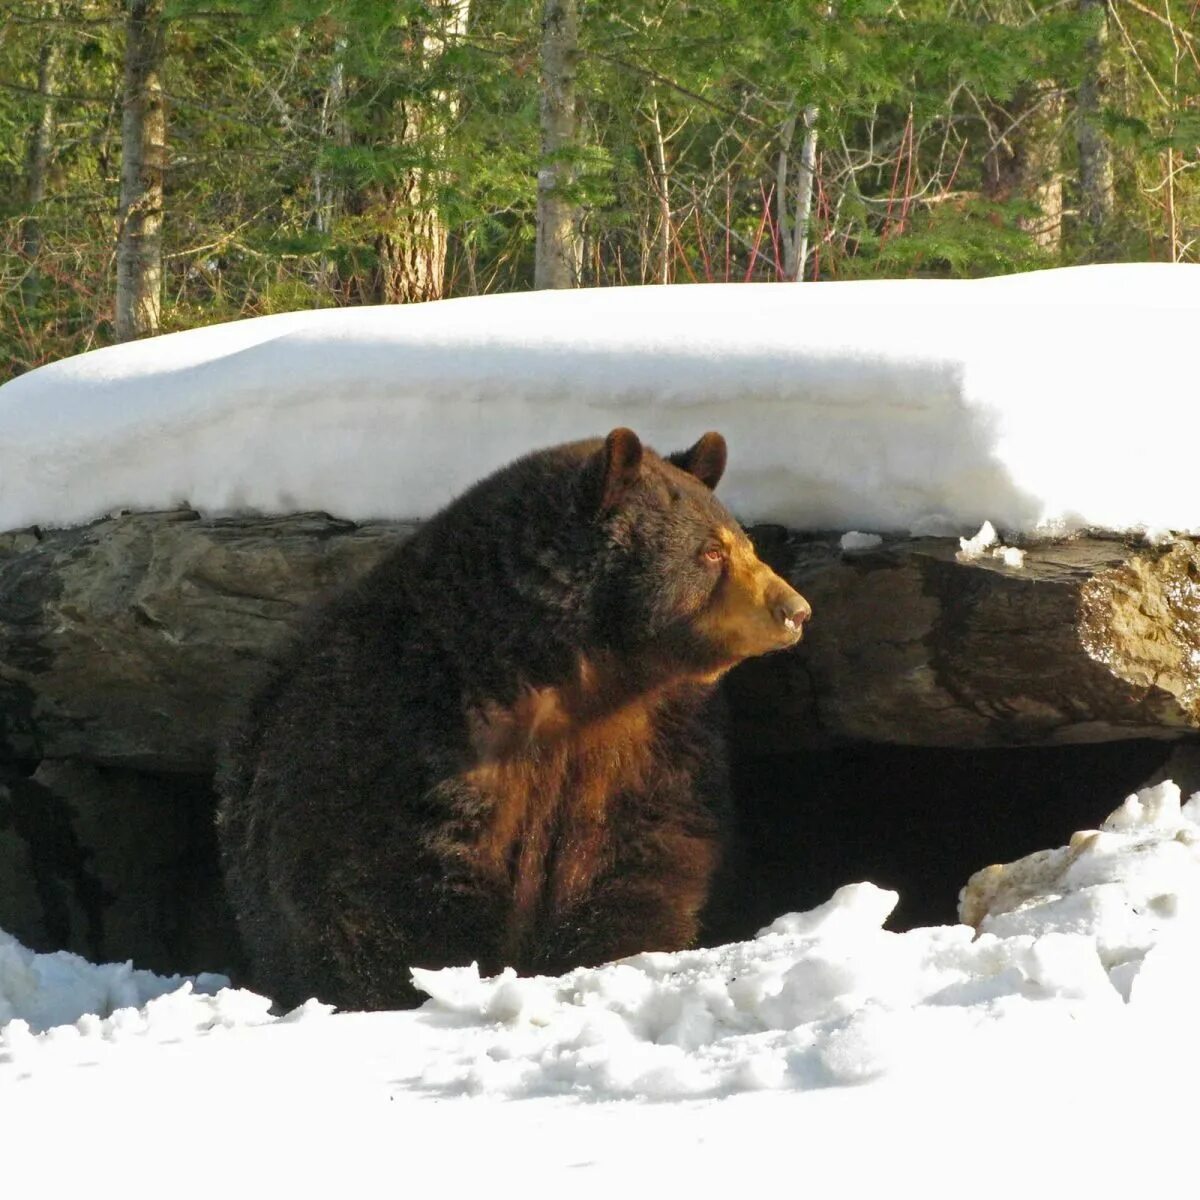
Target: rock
[(1141, 619), (1125, 887), (124, 646), (913, 644), (125, 643)]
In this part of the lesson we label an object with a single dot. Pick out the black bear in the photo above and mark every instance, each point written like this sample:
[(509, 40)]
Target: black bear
[(496, 745)]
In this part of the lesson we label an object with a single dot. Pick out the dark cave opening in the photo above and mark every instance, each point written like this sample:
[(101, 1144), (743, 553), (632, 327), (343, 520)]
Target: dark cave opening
[(916, 820), (140, 849)]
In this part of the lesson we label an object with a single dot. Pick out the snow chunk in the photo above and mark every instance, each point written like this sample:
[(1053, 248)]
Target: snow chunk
[(977, 546), (818, 999), (986, 542), (61, 1008), (1070, 943), (45, 990), (855, 907), (860, 541)]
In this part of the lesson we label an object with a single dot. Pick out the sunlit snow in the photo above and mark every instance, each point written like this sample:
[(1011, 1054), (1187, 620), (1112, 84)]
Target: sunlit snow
[(1068, 1006), (1056, 399)]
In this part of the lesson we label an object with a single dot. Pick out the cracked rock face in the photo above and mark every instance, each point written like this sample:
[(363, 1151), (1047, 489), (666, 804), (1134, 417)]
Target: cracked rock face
[(1141, 619), (126, 643), (910, 644)]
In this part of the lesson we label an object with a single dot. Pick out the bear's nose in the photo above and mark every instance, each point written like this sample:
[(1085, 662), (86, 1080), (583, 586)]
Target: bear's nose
[(792, 611)]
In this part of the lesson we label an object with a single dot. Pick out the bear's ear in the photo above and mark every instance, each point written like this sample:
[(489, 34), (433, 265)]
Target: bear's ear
[(705, 460), (620, 467)]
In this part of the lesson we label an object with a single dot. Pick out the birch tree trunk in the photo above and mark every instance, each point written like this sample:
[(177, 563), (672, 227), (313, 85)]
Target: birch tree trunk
[(796, 247), (794, 229), (143, 155), (327, 197), (795, 244), (556, 256), (1096, 198), (663, 186), (37, 162)]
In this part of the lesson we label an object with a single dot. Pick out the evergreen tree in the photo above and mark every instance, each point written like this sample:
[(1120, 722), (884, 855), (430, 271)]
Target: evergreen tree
[(389, 150)]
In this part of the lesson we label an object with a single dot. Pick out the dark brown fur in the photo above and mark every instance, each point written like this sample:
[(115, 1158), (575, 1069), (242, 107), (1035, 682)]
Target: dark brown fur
[(498, 746)]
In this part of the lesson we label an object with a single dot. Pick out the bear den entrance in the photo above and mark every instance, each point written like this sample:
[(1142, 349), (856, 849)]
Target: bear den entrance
[(918, 821)]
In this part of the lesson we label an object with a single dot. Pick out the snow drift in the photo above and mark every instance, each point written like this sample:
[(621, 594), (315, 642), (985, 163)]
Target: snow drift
[(1047, 401), (1071, 944)]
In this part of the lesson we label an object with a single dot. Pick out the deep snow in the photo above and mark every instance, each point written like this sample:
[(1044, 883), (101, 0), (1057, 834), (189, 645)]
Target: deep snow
[(1052, 400), (1041, 1053)]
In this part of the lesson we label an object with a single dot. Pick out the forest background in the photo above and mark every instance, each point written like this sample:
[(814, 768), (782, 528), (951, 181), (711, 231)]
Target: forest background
[(172, 163)]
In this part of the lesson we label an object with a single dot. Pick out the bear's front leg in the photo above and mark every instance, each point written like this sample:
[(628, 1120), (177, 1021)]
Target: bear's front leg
[(649, 898)]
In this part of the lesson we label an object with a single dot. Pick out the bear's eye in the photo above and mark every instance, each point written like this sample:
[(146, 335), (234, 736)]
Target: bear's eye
[(713, 555)]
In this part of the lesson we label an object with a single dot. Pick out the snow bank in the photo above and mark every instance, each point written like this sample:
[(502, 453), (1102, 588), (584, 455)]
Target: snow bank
[(46, 990), (1071, 943), (1079, 951), (1052, 400)]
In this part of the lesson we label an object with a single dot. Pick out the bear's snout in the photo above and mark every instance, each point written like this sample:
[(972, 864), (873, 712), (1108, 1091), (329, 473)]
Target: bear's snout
[(791, 610)]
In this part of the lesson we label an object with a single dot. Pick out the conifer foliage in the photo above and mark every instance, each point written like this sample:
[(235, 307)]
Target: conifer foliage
[(279, 154)]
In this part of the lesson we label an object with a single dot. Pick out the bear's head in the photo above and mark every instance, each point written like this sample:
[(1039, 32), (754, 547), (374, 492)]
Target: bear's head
[(683, 583)]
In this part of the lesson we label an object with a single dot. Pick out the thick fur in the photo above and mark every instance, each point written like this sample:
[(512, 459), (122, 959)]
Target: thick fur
[(496, 746)]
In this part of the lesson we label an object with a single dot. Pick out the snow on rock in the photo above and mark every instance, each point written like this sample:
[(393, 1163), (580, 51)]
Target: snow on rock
[(978, 545), (986, 542), (1011, 556), (1131, 888), (885, 405), (860, 541)]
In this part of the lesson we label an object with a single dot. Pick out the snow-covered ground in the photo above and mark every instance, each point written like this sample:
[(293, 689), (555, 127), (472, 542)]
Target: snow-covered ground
[(1054, 399), (1048, 1050)]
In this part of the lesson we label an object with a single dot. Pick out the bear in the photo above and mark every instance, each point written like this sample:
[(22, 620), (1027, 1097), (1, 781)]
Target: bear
[(498, 746)]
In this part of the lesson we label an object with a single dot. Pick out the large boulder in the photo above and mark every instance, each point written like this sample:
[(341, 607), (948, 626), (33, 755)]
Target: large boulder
[(124, 643), (913, 642)]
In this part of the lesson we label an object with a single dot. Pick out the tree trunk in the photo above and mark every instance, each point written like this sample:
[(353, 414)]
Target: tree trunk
[(1025, 161), (410, 238), (327, 197), (411, 251), (796, 248), (37, 161), (410, 242), (1096, 199), (556, 261), (662, 180), (143, 155)]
